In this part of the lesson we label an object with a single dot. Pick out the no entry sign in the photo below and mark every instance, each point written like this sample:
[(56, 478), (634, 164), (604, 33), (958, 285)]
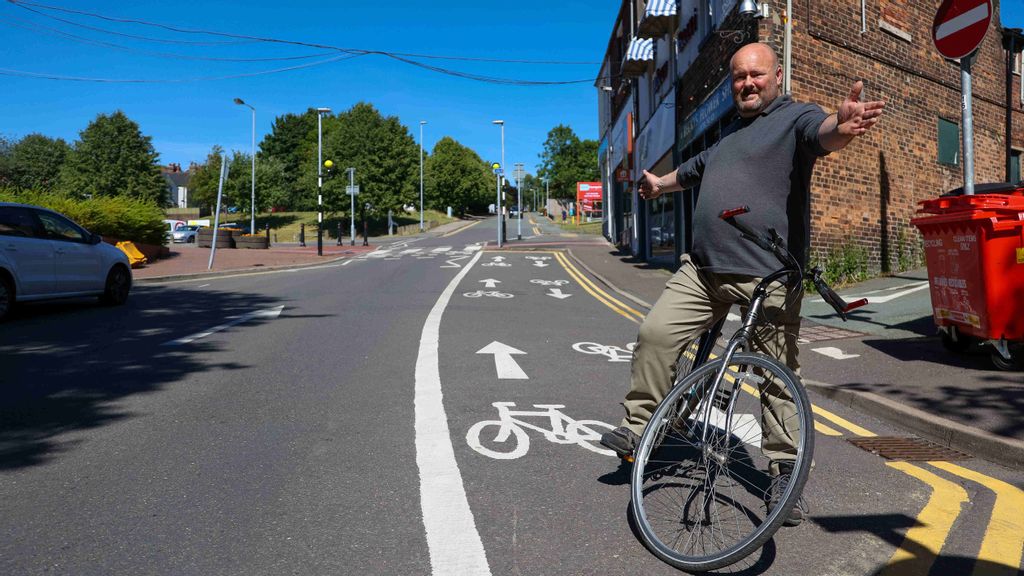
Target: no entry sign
[(960, 25)]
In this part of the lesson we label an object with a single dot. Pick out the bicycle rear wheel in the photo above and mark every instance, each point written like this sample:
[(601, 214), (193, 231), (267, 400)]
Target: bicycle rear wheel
[(703, 476)]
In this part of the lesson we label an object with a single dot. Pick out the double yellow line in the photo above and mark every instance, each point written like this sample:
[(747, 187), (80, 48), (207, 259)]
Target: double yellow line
[(622, 309), (1003, 543)]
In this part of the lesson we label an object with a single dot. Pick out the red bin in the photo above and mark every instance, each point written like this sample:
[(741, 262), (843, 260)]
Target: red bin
[(974, 248)]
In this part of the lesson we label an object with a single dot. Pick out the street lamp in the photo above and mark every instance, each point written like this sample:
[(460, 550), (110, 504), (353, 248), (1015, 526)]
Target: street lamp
[(501, 214), (320, 180), (252, 205), (422, 122), (547, 193), (519, 199)]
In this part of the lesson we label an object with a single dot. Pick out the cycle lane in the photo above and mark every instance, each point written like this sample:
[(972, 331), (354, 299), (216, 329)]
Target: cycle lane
[(561, 508)]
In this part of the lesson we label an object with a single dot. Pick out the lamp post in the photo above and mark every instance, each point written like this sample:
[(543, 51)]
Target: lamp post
[(519, 200), (422, 122), (252, 200), (547, 193), (501, 179), (320, 180)]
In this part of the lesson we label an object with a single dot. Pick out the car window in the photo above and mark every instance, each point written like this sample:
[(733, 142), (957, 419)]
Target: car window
[(60, 228), (16, 221)]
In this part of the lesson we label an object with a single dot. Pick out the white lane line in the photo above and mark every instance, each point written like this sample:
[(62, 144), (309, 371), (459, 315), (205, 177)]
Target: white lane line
[(441, 249), (267, 313), (411, 251), (452, 539), (972, 16), (203, 286)]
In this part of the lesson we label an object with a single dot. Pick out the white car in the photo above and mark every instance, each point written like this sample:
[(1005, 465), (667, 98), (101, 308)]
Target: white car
[(185, 234), (44, 255)]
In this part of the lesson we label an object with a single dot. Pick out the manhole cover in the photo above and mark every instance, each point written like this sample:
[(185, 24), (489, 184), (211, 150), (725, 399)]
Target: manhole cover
[(907, 448)]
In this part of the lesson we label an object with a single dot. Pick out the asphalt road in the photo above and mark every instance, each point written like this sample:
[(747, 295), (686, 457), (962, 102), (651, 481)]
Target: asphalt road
[(339, 420)]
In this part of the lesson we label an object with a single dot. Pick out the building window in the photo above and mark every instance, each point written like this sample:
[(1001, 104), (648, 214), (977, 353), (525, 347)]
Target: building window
[(1017, 62), (1015, 166), (949, 142)]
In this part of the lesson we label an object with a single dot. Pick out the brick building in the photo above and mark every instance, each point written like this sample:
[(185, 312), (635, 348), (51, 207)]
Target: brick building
[(865, 195)]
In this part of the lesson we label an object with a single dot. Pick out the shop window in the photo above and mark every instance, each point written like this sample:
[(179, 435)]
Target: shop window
[(949, 142)]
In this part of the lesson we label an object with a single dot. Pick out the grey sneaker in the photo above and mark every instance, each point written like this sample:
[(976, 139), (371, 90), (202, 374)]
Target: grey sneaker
[(775, 491), (622, 441)]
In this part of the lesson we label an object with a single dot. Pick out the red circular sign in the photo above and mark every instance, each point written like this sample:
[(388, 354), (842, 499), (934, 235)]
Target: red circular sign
[(960, 25)]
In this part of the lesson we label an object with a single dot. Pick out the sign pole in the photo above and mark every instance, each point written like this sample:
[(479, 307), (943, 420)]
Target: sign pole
[(968, 122)]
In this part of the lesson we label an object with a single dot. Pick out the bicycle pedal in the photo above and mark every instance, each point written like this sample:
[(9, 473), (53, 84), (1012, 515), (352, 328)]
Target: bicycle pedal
[(629, 458)]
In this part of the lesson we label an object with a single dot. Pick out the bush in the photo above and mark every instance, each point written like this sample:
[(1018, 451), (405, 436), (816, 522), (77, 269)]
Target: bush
[(846, 265), (118, 217)]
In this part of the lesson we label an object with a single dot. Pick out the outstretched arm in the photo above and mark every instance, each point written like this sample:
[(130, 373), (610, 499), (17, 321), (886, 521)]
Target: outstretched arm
[(851, 120)]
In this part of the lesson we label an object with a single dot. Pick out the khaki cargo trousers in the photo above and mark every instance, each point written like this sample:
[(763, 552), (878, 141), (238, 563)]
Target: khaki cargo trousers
[(690, 304)]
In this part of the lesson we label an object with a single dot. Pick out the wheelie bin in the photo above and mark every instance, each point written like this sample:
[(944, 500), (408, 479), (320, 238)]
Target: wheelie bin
[(974, 248)]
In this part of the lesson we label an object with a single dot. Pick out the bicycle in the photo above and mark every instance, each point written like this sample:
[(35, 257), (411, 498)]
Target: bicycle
[(702, 483)]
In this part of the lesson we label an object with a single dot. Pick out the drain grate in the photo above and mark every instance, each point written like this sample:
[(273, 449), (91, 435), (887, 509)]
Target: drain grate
[(819, 332), (911, 449)]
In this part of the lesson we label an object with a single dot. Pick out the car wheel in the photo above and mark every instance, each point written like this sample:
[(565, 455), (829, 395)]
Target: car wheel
[(190, 240), (6, 297), (118, 284)]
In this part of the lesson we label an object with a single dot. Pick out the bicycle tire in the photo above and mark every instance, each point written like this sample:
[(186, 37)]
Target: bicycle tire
[(672, 468)]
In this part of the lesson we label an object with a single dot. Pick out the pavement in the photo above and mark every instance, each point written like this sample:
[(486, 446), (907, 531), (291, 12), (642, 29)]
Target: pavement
[(960, 402)]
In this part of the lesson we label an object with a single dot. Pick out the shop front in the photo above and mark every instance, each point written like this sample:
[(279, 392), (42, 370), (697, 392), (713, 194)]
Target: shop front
[(654, 154)]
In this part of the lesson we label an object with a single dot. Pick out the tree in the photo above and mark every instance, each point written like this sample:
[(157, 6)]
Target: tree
[(205, 179), (273, 188), (35, 161), (567, 160), (113, 158), (455, 176), (381, 149), (289, 143)]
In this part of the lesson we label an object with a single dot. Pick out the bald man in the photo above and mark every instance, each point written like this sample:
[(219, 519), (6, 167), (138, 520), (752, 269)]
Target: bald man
[(764, 160)]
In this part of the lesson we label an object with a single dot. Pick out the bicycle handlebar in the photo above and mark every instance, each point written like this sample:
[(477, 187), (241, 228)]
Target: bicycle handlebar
[(774, 243)]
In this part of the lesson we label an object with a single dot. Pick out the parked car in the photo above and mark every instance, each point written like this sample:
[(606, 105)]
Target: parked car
[(44, 255), (185, 234)]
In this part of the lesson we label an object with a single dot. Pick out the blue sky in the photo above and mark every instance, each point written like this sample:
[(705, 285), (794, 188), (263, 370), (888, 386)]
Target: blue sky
[(185, 119)]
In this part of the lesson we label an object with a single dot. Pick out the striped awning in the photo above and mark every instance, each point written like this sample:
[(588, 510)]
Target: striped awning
[(639, 53), (659, 19)]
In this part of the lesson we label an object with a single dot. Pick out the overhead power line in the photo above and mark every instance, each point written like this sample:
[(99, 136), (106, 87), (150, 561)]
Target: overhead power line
[(407, 58)]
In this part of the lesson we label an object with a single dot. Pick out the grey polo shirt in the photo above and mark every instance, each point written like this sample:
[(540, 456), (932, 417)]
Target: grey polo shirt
[(764, 162)]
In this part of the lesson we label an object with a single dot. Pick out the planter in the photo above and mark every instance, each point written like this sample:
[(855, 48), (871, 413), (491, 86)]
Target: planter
[(204, 238), (255, 242)]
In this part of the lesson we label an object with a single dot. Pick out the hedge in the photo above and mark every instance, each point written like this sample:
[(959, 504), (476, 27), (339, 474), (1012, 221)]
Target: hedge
[(114, 216)]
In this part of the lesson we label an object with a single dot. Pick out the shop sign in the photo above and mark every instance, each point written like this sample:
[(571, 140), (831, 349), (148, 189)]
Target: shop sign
[(710, 111)]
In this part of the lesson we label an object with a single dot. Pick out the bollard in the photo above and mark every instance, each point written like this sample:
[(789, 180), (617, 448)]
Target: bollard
[(339, 233), (268, 233), (302, 234)]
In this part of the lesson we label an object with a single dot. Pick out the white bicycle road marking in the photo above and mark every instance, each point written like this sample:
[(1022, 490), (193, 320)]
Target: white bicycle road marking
[(510, 425), (549, 282), (614, 353), (489, 293), (452, 538), (497, 264)]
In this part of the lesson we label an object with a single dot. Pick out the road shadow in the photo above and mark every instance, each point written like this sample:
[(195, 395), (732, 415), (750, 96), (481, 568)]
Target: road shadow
[(67, 366), (891, 528)]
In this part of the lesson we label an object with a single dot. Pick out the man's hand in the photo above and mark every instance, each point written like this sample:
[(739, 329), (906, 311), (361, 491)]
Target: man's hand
[(650, 186), (855, 117)]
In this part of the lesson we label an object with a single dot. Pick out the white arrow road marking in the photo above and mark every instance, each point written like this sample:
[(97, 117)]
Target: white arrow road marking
[(904, 289), (491, 283), (540, 263), (744, 426), (452, 538), (267, 313), (835, 353), (972, 16), (557, 293), (498, 259), (504, 364)]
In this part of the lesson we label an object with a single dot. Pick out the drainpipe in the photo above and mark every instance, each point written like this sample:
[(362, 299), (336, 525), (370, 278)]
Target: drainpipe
[(787, 74)]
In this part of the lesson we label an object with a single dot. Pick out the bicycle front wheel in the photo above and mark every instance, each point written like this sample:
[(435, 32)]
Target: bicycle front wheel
[(706, 465)]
